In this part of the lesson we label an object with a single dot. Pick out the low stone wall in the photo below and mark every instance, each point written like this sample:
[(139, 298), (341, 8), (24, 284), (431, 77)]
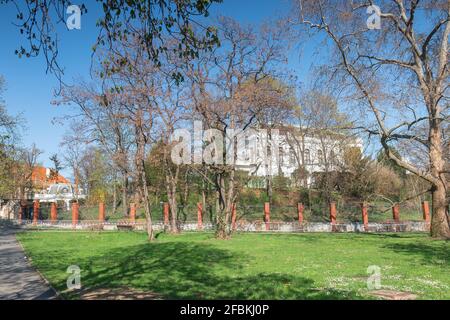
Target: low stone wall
[(282, 227)]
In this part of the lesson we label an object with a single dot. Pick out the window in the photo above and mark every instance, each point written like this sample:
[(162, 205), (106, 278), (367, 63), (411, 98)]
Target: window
[(320, 156), (281, 155), (307, 156), (291, 156), (247, 148)]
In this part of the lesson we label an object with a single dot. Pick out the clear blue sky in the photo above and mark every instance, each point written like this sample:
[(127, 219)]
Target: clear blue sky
[(30, 90)]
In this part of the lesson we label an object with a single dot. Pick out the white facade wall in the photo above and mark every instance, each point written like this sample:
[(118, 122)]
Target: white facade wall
[(284, 154)]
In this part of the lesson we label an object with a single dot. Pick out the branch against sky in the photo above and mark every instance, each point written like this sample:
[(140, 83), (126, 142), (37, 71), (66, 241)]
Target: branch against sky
[(149, 21)]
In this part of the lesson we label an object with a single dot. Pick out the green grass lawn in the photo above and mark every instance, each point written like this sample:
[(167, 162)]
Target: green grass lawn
[(250, 266)]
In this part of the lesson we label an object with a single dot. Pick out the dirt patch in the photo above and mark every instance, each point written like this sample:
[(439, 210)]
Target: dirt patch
[(393, 295), (117, 294)]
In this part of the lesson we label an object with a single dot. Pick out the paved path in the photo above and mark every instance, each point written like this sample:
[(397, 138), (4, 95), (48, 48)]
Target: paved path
[(18, 280)]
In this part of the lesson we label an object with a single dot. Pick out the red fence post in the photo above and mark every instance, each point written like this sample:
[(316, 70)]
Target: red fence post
[(133, 212), (53, 212), (199, 216), (396, 212), (365, 216), (35, 211), (101, 212), (300, 208), (333, 215), (267, 215), (166, 213), (75, 207), (233, 217), (426, 211)]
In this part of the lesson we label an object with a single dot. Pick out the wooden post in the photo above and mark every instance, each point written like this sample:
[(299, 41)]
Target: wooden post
[(75, 207), (101, 212), (300, 209), (333, 215), (35, 211), (199, 216), (396, 212), (133, 212), (267, 215), (365, 216), (53, 212), (426, 211), (233, 217)]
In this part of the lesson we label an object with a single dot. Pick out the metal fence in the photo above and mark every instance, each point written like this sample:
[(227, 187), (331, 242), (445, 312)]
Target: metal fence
[(316, 213)]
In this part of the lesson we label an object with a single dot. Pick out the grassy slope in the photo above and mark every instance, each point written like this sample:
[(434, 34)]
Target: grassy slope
[(250, 266)]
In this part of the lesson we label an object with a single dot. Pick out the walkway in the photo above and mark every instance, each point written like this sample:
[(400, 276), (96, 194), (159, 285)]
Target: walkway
[(18, 280)]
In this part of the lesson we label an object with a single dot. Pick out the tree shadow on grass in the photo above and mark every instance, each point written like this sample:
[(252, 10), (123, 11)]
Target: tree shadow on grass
[(389, 235), (180, 270), (432, 252)]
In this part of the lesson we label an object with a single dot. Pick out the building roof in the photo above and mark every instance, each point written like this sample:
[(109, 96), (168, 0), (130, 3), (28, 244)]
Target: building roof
[(45, 175)]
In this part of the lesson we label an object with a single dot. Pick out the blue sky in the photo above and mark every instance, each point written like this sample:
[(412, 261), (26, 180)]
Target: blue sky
[(29, 90)]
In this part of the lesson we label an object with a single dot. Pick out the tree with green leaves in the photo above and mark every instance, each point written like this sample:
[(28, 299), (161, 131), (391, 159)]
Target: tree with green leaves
[(148, 21), (57, 167)]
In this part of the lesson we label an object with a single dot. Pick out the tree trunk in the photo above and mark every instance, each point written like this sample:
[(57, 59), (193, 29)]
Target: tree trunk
[(146, 201), (114, 209), (221, 226), (440, 221), (125, 194), (172, 197), (141, 173)]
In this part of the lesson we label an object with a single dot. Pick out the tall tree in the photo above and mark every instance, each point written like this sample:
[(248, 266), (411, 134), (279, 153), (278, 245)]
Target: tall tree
[(399, 73), (227, 86)]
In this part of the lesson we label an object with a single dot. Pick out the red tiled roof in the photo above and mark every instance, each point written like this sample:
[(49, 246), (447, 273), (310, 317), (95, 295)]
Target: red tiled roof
[(39, 175)]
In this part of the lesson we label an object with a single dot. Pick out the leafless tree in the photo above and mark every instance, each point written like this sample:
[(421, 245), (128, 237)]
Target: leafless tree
[(227, 86), (398, 73)]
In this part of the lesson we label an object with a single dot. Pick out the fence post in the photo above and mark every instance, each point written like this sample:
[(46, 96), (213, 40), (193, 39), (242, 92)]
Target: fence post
[(101, 212), (267, 215), (300, 208), (20, 213), (133, 212), (396, 212), (199, 216), (426, 211), (35, 211), (166, 214), (53, 212), (333, 215), (233, 217), (75, 207), (365, 216)]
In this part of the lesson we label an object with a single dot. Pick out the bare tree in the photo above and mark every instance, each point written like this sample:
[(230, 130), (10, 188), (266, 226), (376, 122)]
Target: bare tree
[(399, 73), (227, 85)]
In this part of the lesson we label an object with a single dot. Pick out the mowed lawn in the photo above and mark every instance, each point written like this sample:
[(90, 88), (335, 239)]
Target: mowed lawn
[(250, 266)]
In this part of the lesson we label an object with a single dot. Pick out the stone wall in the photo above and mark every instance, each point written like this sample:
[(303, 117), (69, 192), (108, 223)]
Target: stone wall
[(282, 227)]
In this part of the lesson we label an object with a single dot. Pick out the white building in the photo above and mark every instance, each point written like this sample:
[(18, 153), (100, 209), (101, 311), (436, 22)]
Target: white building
[(280, 153)]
